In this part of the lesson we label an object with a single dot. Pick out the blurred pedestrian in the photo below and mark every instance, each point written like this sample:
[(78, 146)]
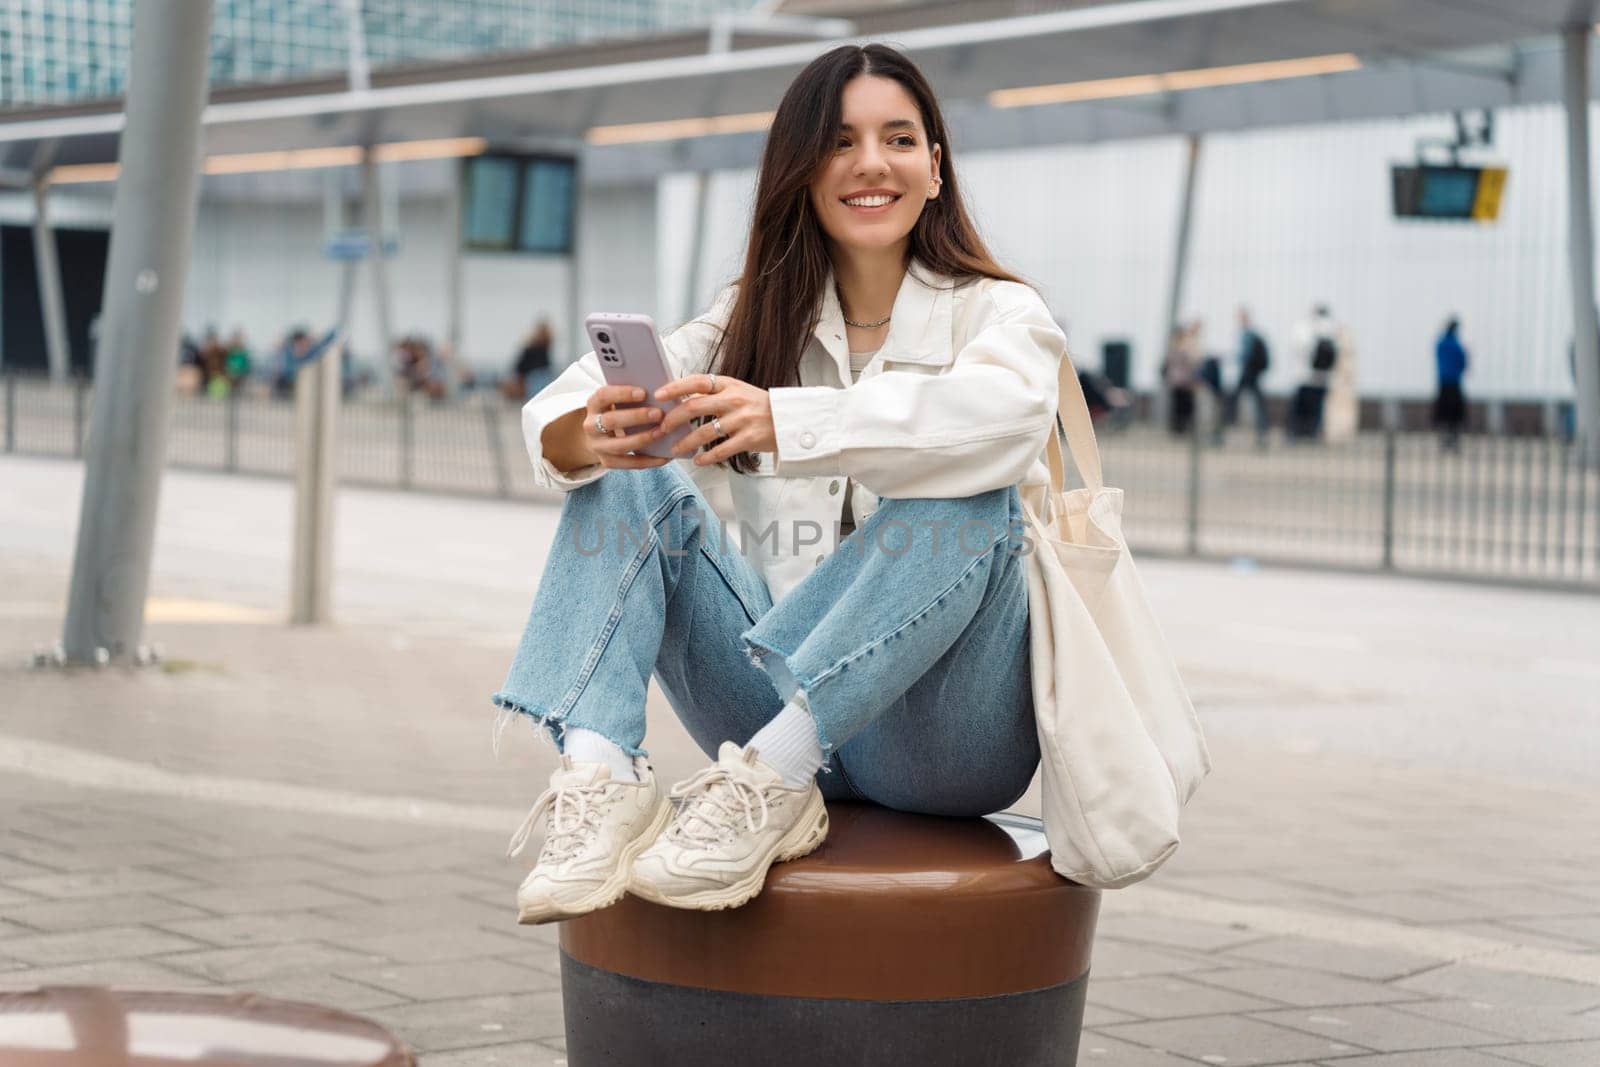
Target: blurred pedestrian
[(1178, 372), (236, 364), (1450, 405), (531, 372), (1254, 359), (1341, 417), (1318, 344)]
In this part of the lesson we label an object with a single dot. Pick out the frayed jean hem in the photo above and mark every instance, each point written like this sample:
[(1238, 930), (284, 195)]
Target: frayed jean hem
[(777, 665), (554, 726)]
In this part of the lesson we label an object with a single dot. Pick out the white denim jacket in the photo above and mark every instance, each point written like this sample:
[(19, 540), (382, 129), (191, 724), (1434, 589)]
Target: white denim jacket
[(960, 399)]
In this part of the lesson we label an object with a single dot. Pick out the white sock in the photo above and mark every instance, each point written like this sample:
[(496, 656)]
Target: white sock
[(586, 746), (788, 744)]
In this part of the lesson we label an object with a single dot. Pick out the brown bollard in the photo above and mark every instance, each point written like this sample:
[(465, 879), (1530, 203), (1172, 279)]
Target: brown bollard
[(903, 939)]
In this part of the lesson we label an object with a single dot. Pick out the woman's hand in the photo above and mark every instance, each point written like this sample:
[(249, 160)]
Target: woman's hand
[(734, 410), (606, 428)]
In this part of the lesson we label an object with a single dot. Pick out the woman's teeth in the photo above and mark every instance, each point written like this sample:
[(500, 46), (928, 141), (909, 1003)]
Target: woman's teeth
[(870, 201)]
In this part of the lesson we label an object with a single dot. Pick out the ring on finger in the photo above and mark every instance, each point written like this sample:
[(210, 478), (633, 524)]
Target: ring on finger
[(716, 424), (600, 425)]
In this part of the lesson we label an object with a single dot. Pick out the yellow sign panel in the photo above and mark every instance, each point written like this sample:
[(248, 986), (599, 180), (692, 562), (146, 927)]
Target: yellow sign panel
[(1491, 184)]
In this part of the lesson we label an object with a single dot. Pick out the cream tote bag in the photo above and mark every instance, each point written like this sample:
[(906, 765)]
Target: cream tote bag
[(1120, 746)]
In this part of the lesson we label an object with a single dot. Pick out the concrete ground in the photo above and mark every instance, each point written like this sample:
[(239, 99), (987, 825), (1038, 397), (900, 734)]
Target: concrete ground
[(1393, 865)]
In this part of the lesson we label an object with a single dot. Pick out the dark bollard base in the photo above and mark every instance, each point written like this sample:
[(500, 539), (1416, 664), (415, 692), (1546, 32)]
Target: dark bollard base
[(619, 1021)]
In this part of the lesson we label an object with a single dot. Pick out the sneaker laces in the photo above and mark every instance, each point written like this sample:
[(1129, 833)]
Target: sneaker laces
[(571, 827), (712, 800)]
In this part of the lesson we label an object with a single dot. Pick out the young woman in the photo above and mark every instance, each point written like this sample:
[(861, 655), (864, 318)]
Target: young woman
[(873, 374)]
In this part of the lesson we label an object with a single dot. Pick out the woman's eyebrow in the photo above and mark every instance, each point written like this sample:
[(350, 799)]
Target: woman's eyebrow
[(892, 124)]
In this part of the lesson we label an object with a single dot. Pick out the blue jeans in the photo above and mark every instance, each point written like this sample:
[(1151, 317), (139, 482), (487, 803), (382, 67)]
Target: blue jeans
[(910, 640)]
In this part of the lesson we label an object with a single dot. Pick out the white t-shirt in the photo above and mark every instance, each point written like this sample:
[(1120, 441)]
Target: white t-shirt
[(858, 361)]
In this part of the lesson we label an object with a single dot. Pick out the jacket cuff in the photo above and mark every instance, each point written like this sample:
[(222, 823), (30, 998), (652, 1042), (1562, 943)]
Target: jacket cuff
[(808, 425)]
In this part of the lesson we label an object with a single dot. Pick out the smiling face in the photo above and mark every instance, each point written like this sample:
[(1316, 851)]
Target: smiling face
[(869, 194)]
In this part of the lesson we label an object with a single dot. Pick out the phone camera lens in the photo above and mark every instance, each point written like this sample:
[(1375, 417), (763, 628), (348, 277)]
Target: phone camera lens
[(604, 338)]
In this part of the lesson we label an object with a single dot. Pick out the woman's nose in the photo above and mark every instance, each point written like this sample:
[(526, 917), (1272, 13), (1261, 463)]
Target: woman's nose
[(870, 161)]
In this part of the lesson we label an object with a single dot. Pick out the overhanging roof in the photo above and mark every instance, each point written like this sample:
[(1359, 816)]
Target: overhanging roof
[(1418, 55)]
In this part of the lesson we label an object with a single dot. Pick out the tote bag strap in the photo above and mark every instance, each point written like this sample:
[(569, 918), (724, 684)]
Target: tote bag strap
[(1073, 409)]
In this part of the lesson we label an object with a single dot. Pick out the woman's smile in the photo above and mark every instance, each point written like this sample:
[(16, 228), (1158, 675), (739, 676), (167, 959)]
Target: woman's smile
[(871, 201)]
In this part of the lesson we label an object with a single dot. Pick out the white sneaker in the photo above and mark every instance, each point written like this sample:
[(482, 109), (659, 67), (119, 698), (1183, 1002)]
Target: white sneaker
[(737, 819), (597, 826)]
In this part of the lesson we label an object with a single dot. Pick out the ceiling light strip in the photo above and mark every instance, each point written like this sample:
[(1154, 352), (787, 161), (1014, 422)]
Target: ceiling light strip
[(1174, 81), (295, 159)]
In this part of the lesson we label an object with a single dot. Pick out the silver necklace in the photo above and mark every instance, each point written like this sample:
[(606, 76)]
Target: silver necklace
[(867, 325), (861, 325)]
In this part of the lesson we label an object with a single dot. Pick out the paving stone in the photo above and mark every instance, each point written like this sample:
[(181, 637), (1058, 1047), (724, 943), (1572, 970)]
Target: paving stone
[(427, 857), (82, 946), (233, 900), (1100, 1015), (427, 913), (392, 887), (76, 885), (430, 946), (1503, 987), (469, 1023), (1174, 933), (1515, 935), (1306, 989), (1453, 1057), (237, 965), (1523, 901), (1579, 928), (130, 973), (15, 897), (255, 870), (1515, 1022), (326, 989), (1554, 1054), (1231, 1040), (1097, 1049), (1169, 997), (1125, 959), (11, 867), (1420, 907), (1354, 961), (54, 916), (453, 978), (1380, 1028), (520, 1054), (259, 928)]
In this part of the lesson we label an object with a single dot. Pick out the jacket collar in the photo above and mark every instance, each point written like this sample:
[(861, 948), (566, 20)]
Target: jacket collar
[(919, 329)]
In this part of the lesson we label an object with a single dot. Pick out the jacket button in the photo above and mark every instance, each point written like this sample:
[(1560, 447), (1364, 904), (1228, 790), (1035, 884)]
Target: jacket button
[(819, 561), (808, 439), (833, 487)]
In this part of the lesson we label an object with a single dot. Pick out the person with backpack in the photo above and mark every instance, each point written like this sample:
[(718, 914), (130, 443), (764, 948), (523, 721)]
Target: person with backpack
[(1450, 405), (1319, 342), (1254, 359)]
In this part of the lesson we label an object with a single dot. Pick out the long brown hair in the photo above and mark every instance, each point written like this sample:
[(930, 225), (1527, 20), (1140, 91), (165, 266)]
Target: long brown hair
[(780, 293)]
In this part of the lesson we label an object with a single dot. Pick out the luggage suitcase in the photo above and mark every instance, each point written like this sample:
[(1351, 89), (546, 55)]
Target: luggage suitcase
[(1305, 412)]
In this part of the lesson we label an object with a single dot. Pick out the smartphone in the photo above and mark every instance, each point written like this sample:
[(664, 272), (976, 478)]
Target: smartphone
[(630, 353)]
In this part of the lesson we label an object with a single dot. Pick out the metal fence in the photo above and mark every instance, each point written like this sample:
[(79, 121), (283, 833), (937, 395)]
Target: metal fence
[(1524, 509)]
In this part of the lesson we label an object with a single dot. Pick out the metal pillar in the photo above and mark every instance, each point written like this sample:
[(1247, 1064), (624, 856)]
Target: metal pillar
[(1180, 266), (372, 210), (316, 400), (1580, 214), (152, 224), (1180, 252), (697, 246), (453, 267), (48, 269), (577, 337)]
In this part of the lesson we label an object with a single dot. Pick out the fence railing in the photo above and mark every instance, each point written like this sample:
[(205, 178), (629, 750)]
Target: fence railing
[(1522, 509)]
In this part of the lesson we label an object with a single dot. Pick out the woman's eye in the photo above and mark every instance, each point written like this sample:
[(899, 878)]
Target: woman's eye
[(842, 143), (904, 141)]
